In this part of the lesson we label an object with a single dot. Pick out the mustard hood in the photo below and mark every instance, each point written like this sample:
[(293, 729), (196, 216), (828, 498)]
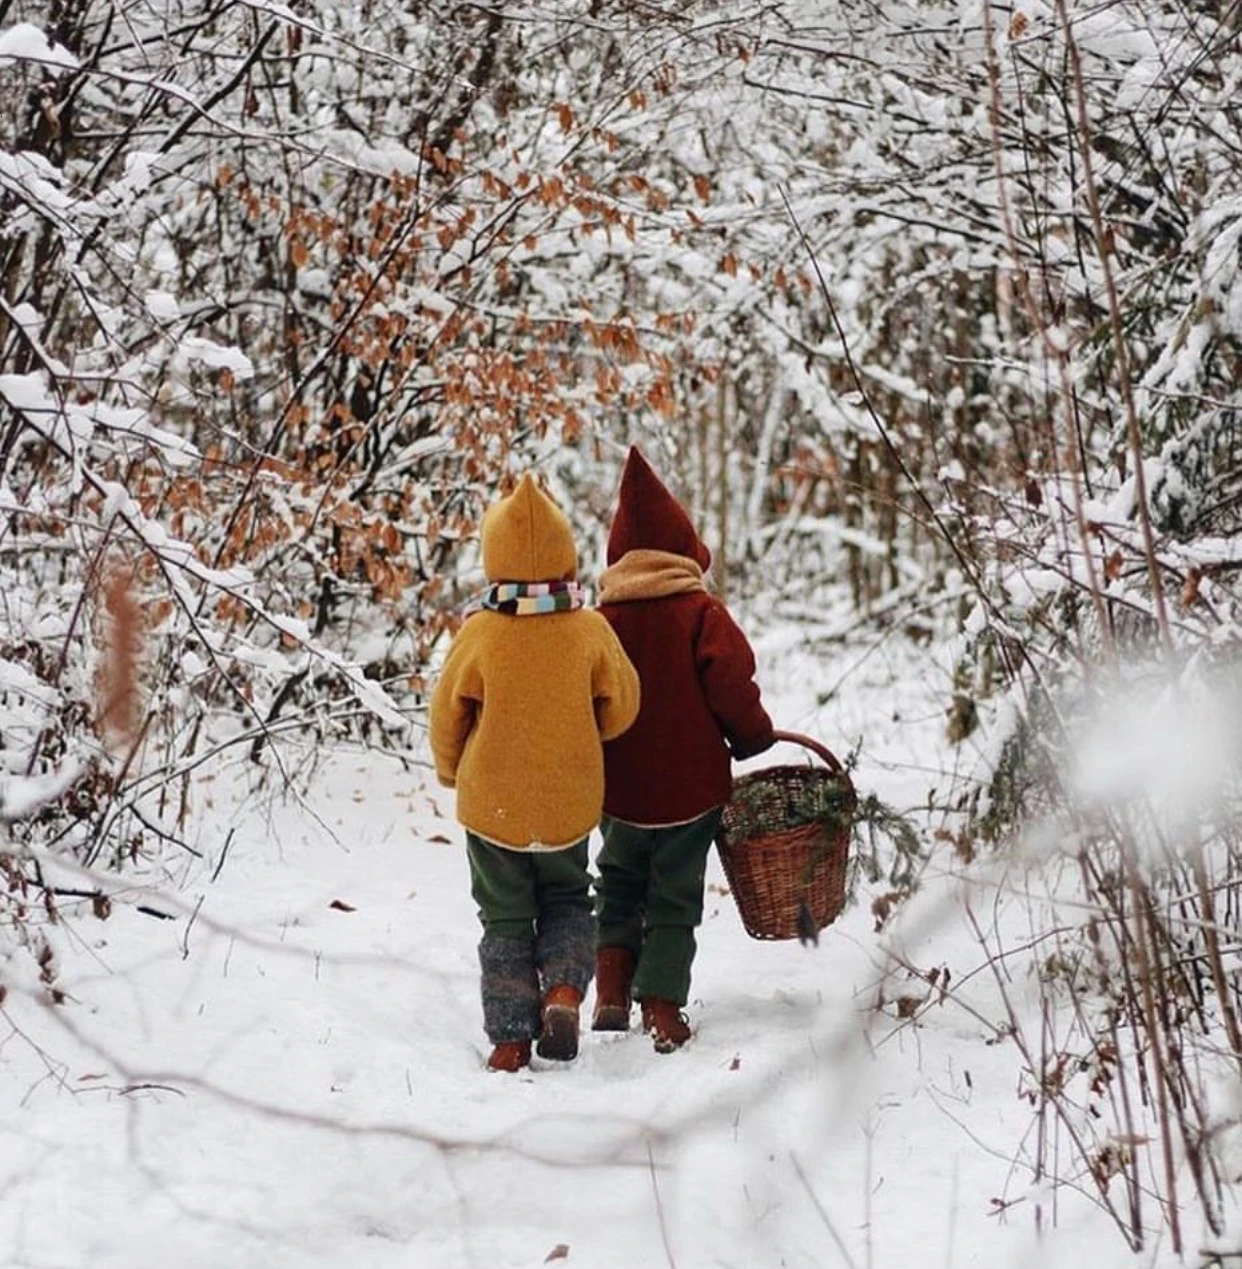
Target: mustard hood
[(526, 538)]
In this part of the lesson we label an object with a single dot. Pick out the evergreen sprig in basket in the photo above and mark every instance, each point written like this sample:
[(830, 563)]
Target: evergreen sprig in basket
[(784, 842)]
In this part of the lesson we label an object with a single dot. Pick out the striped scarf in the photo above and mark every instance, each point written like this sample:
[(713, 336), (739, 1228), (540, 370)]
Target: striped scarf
[(530, 599)]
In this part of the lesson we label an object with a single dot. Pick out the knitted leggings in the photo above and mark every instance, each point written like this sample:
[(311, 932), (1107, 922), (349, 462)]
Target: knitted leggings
[(538, 930)]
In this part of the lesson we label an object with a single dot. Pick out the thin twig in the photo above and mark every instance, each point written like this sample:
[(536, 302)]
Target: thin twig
[(823, 1215), (659, 1205), (1103, 242), (185, 938), (228, 841)]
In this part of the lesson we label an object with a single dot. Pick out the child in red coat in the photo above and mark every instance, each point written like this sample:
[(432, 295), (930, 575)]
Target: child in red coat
[(666, 780)]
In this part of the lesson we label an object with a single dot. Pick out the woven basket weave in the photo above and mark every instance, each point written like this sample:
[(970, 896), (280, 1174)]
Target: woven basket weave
[(784, 843)]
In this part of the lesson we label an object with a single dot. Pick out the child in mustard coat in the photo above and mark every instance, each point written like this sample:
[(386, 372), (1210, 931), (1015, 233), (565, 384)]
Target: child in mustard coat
[(531, 688)]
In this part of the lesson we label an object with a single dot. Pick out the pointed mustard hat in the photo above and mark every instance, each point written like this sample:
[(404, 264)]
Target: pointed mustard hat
[(526, 538)]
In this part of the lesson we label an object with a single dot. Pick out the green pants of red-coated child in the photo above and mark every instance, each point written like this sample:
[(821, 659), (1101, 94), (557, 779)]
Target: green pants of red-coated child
[(650, 899)]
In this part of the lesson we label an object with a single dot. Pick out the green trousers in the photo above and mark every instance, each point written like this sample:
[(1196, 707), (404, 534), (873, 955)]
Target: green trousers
[(514, 888), (650, 899), (538, 930)]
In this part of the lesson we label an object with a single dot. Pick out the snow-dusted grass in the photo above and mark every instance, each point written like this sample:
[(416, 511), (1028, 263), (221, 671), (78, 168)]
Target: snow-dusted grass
[(273, 1081)]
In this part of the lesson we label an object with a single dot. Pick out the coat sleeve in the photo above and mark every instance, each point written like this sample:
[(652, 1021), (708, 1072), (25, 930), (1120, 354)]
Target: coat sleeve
[(614, 686), (454, 708), (726, 668)]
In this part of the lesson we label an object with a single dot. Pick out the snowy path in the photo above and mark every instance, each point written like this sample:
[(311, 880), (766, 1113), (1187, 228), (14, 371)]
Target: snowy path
[(285, 1084)]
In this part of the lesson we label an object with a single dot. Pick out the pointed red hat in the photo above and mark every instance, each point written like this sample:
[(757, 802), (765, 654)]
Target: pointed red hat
[(649, 518)]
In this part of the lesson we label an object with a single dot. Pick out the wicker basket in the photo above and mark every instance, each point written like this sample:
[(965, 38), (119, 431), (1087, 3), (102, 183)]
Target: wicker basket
[(784, 843)]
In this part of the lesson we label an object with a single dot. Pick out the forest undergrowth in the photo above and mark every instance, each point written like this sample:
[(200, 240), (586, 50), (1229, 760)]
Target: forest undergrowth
[(938, 308)]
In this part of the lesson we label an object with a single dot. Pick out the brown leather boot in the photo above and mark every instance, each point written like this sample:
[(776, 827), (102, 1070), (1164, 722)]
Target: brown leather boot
[(665, 1023), (614, 971), (509, 1055), (559, 1038)]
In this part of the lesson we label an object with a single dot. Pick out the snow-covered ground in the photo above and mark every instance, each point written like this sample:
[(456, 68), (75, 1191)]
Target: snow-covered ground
[(289, 1074)]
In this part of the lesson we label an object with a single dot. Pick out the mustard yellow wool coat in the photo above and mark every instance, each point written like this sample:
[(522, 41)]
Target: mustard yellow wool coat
[(523, 704)]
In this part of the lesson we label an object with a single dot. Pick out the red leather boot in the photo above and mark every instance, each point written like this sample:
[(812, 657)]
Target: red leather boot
[(665, 1023), (614, 971), (559, 1038), (509, 1055)]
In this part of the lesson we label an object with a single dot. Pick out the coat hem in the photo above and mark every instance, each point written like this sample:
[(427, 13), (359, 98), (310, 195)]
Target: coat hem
[(698, 815), (538, 847)]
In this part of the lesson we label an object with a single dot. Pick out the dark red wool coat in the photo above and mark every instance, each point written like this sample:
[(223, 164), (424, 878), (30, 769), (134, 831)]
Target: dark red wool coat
[(700, 703)]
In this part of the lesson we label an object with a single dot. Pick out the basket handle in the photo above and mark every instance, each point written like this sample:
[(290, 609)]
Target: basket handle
[(808, 742)]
